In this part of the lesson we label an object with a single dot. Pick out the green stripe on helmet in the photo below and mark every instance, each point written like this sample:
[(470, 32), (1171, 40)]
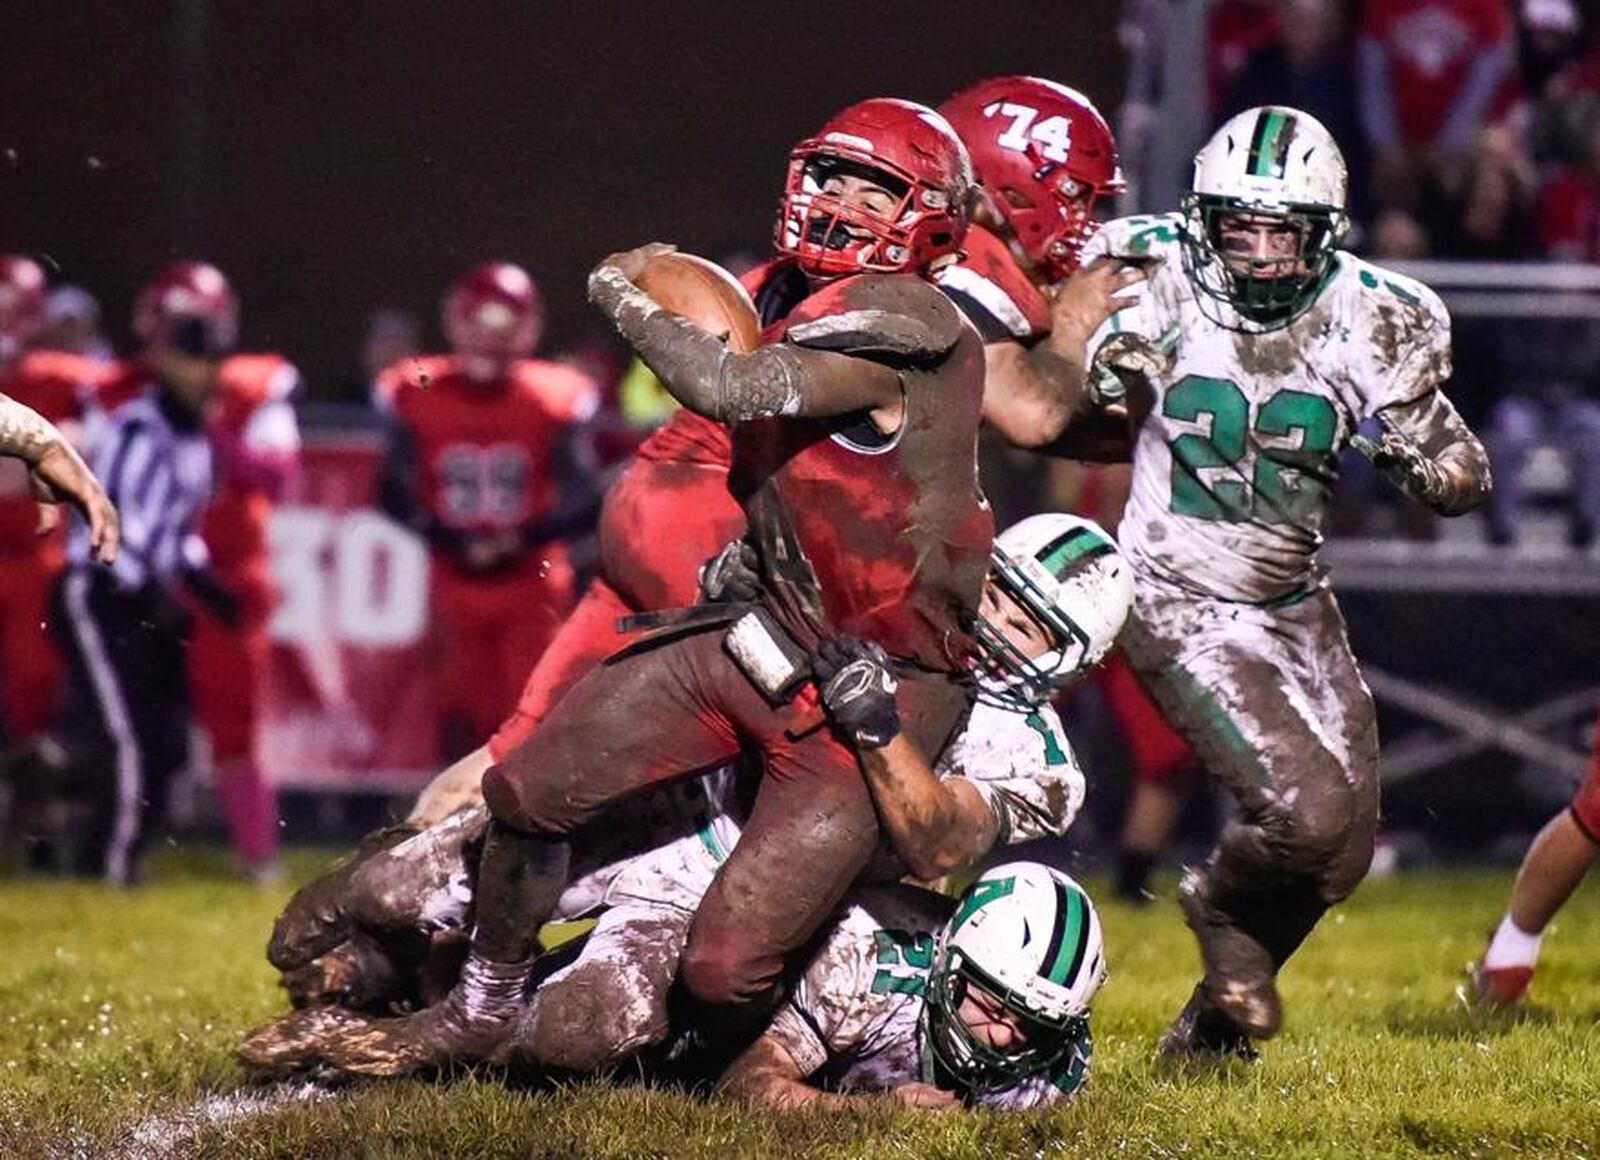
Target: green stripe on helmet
[(1075, 545), (1075, 917), (1269, 146)]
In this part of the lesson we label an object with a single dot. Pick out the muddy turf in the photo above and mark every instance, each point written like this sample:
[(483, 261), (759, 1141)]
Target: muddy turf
[(119, 1014)]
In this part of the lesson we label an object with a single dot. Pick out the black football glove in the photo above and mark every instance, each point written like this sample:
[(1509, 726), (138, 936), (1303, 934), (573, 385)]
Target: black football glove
[(733, 574), (858, 686)]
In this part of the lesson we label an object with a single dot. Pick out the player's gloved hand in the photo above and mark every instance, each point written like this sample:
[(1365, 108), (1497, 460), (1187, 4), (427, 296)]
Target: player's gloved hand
[(1404, 465), (858, 686), (733, 574), (1125, 356)]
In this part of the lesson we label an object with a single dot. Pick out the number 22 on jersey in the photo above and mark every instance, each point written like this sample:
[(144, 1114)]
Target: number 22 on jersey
[(1285, 485)]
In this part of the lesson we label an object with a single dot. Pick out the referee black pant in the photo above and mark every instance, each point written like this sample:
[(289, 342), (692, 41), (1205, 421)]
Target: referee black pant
[(126, 719)]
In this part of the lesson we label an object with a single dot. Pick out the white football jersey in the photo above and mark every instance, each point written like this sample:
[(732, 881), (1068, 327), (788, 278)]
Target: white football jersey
[(1238, 450), (854, 1019)]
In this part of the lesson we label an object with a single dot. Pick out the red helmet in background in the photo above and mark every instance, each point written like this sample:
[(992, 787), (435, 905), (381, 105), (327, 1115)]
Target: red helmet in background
[(22, 295), (1043, 155), (494, 313), (905, 147), (191, 307)]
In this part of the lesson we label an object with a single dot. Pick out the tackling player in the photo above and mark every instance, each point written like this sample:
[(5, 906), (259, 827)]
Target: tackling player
[(486, 463), (1256, 350), (937, 1002), (1057, 595), (1555, 864)]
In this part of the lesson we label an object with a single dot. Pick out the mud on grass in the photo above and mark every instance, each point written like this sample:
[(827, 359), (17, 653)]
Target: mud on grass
[(119, 1014)]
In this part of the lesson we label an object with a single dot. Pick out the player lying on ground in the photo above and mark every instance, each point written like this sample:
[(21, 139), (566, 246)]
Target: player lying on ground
[(1555, 864), (1256, 350), (1057, 596), (939, 1002)]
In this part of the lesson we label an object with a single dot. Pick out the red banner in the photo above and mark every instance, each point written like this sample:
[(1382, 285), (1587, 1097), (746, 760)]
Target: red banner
[(347, 703)]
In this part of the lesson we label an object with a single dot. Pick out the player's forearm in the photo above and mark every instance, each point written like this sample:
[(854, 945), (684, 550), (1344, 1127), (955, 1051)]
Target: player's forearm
[(1032, 395), (699, 370), (1463, 479), (25, 433), (1101, 435), (767, 1074), (930, 824)]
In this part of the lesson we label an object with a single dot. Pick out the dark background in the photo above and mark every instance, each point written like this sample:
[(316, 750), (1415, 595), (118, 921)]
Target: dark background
[(337, 156)]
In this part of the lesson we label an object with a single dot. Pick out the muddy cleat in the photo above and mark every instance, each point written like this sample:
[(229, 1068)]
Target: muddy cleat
[(317, 918), (1240, 977), (293, 1042), (1500, 987), (471, 1024), (1203, 1034)]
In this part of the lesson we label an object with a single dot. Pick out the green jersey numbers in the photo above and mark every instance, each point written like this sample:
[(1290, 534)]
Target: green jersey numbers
[(1287, 484), (904, 958)]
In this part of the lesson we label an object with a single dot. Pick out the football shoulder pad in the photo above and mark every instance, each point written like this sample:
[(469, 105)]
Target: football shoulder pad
[(892, 317)]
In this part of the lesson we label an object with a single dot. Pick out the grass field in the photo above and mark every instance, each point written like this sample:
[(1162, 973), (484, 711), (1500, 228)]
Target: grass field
[(119, 1014)]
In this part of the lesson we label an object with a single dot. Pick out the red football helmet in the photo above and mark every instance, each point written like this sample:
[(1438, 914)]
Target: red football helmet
[(191, 307), (494, 313), (1043, 155), (22, 287), (905, 147)]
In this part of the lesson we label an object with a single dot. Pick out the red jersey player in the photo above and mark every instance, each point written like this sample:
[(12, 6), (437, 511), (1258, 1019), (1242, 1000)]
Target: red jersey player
[(485, 462), (255, 443), (57, 386)]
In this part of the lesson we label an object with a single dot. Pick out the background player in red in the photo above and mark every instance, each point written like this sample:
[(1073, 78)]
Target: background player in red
[(57, 386), (486, 462), (255, 447)]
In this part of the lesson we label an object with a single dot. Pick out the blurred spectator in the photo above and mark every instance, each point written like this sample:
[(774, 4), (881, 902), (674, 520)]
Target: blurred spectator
[(1557, 415), (1429, 72), (390, 336), (72, 324), (1237, 32), (1165, 114), (1488, 216), (1569, 206), (1305, 64)]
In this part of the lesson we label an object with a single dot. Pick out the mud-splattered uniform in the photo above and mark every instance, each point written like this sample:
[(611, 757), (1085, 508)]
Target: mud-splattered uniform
[(612, 1001), (1234, 629), (856, 1018), (883, 538)]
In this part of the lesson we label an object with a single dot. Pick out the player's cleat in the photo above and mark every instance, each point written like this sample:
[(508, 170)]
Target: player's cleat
[(1203, 1034), (293, 1042), (1240, 977), (318, 918), (1500, 987)]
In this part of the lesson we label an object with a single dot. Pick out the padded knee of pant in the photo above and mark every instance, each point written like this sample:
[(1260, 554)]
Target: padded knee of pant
[(505, 798), (717, 974), (587, 1020), (1317, 827)]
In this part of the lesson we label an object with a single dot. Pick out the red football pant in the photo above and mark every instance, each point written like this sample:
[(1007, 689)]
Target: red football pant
[(660, 523), (681, 708), (30, 664), (227, 664), (487, 631), (1586, 802), (1157, 753)]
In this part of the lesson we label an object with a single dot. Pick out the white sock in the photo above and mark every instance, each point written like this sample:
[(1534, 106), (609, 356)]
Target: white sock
[(1512, 947)]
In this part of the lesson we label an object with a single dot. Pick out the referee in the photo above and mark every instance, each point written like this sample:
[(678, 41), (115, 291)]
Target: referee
[(123, 627)]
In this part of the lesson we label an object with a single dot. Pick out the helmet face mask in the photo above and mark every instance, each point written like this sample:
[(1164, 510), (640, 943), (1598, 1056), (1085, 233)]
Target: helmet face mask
[(1069, 576), (189, 311), (1023, 950), (492, 317), (884, 188), (1270, 175)]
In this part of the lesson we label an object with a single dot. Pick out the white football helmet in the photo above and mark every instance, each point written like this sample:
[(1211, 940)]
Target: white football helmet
[(1271, 161), (1027, 935), (1068, 572)]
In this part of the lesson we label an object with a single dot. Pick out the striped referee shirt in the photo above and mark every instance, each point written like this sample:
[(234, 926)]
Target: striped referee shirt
[(154, 460)]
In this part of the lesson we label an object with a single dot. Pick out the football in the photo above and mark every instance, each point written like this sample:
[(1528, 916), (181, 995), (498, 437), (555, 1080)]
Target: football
[(705, 294)]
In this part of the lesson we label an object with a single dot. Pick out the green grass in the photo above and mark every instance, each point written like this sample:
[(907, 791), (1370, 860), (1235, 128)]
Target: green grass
[(116, 1008)]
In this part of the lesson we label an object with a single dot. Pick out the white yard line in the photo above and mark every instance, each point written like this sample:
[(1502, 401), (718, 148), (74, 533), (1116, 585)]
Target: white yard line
[(169, 1133)]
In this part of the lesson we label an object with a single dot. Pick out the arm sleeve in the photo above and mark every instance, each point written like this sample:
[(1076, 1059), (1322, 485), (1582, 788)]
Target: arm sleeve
[(1433, 424), (826, 1015), (709, 379)]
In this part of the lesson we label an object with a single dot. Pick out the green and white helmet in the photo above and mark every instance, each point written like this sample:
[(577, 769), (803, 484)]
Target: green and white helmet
[(1271, 161), (1027, 935), (1068, 572)]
